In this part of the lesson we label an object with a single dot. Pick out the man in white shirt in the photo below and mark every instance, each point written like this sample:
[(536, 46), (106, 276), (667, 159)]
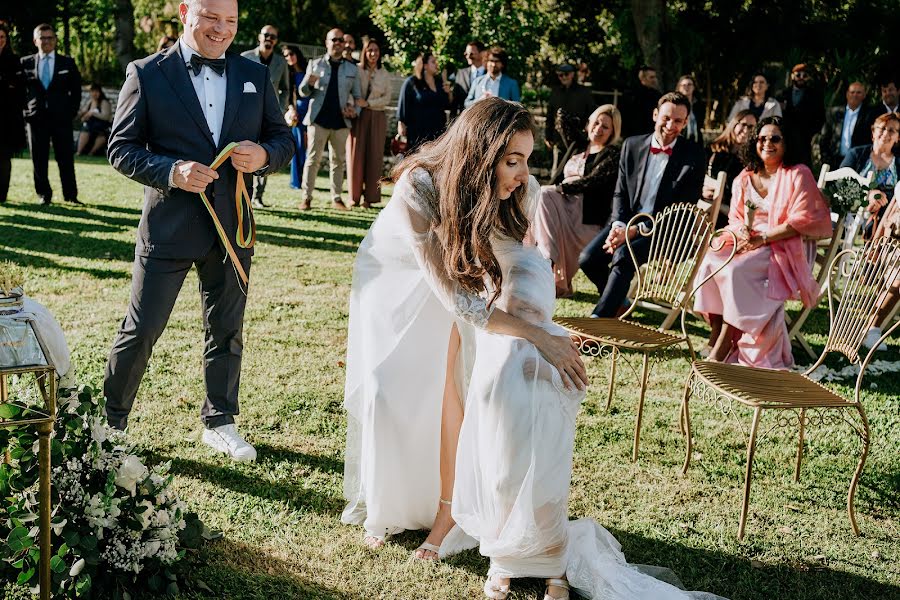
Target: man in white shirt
[(494, 82), (655, 171), (177, 110)]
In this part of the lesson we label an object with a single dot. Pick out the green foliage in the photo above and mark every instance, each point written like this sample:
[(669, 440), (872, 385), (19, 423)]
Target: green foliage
[(410, 26)]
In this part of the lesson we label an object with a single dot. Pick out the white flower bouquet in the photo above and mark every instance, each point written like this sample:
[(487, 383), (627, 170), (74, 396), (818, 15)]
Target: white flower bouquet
[(848, 195), (118, 524)]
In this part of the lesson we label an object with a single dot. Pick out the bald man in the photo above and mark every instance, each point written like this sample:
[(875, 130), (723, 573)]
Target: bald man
[(846, 126)]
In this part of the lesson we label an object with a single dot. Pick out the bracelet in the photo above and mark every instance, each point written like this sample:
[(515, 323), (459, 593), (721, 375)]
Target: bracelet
[(765, 238)]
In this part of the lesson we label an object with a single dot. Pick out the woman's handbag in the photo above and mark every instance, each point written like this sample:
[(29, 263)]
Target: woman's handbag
[(399, 145)]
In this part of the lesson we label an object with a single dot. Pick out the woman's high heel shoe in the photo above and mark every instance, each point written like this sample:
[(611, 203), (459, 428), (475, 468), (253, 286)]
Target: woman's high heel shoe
[(560, 583), (494, 590)]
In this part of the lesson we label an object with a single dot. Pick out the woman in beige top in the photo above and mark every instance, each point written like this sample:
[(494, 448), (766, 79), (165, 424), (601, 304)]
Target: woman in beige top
[(96, 119), (365, 145)]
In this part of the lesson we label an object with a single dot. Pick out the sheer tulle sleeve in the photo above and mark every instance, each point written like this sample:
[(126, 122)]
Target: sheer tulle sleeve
[(417, 215)]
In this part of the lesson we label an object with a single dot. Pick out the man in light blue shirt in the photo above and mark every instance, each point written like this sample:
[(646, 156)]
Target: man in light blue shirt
[(495, 82), (846, 126)]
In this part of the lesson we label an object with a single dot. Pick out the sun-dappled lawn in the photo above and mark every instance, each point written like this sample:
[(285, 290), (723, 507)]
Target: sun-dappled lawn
[(280, 516)]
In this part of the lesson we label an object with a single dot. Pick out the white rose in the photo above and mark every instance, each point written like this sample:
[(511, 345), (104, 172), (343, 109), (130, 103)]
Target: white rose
[(98, 430), (76, 568), (144, 517), (152, 547), (162, 518), (130, 472)]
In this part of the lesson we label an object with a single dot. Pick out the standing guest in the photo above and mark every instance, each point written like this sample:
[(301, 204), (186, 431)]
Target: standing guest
[(423, 100), (638, 108), (804, 109), (365, 146), (879, 159), (171, 122), (265, 54), (96, 119), (297, 69), (494, 82), (687, 85), (726, 154), (888, 226), (332, 85), (165, 42), (572, 97), (11, 102), (655, 171), (474, 55), (890, 96), (572, 211), (775, 203), (845, 126), (757, 100), (350, 53), (53, 97)]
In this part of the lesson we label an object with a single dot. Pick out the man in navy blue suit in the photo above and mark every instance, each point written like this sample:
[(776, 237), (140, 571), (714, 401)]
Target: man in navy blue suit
[(177, 110), (655, 170)]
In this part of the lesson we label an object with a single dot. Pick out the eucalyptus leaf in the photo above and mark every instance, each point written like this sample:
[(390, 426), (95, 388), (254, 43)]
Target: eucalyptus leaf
[(19, 540)]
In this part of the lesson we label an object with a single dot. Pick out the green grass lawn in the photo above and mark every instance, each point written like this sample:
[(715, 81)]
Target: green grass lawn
[(280, 516)]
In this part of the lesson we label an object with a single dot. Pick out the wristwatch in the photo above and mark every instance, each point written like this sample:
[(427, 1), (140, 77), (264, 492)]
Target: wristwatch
[(765, 237)]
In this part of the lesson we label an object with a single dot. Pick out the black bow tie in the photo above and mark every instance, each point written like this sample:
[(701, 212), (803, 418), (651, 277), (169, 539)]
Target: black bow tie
[(216, 64)]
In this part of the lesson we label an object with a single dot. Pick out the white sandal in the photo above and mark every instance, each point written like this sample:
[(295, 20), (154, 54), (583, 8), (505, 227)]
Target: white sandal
[(495, 591), (560, 583), (427, 547)]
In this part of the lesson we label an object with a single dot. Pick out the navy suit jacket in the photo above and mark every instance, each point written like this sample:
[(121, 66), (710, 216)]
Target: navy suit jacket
[(159, 121), (60, 102), (682, 180)]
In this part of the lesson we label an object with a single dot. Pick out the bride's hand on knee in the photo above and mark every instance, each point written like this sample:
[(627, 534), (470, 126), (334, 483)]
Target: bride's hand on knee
[(562, 353)]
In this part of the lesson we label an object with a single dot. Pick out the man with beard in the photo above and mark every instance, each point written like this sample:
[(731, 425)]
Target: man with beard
[(265, 54), (804, 108)]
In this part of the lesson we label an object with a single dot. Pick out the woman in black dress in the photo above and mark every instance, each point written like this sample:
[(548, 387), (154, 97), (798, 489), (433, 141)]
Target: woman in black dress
[(423, 100), (11, 100)]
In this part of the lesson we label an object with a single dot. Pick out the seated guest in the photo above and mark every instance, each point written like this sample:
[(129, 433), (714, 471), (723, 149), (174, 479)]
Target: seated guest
[(845, 126), (655, 171), (888, 226), (774, 204), (725, 154), (757, 100), (96, 120), (687, 85), (571, 212), (494, 82), (423, 100), (879, 159)]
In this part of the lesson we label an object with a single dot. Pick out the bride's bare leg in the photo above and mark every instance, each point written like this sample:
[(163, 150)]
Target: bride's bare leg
[(451, 422)]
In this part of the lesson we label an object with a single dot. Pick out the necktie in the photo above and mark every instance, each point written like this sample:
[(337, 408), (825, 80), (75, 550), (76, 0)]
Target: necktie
[(216, 64), (46, 76), (655, 150)]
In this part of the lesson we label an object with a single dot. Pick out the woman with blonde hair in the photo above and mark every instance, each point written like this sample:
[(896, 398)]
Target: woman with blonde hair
[(365, 144), (573, 210)]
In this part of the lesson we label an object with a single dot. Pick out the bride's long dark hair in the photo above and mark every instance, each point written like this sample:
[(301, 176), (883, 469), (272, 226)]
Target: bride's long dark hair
[(462, 164)]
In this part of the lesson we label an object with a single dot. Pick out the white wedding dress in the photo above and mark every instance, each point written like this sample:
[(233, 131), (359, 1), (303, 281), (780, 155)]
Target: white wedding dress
[(514, 460)]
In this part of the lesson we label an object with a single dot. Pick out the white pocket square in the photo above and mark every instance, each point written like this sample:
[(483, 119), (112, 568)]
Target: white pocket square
[(63, 72), (249, 88)]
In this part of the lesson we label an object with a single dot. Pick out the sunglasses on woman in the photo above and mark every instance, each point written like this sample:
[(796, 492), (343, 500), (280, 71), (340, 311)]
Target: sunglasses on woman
[(772, 139)]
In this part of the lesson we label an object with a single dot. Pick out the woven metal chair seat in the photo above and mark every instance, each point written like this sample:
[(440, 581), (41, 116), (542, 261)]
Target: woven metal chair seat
[(766, 388), (624, 334)]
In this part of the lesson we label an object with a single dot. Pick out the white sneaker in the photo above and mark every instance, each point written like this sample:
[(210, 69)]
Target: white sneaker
[(227, 440), (872, 337)]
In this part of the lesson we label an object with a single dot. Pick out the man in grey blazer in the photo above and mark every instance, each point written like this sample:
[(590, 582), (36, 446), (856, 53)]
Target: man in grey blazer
[(265, 54), (332, 84), (177, 110)]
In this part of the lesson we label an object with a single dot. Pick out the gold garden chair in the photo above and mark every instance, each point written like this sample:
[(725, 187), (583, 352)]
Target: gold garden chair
[(798, 400), (679, 235)]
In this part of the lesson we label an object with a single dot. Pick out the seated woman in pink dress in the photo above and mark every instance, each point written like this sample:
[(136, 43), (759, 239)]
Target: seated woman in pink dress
[(572, 212), (775, 205)]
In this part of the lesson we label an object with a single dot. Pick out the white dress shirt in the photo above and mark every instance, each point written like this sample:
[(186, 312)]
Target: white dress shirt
[(850, 117), (211, 88), (653, 173), (51, 58), (492, 86)]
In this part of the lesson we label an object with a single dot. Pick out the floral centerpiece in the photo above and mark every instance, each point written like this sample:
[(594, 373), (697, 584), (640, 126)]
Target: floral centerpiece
[(848, 195), (118, 524)]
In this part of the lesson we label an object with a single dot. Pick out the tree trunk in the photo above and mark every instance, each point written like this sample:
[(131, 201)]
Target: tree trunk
[(651, 27), (124, 20)]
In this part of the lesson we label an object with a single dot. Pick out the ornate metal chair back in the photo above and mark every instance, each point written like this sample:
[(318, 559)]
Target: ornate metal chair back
[(679, 235)]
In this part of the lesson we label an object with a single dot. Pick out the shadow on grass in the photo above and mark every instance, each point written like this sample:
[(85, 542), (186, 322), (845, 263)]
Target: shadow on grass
[(242, 572), (314, 240), (21, 258), (294, 496)]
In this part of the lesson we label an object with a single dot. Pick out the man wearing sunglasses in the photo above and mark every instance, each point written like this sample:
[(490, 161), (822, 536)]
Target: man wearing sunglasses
[(577, 102), (332, 85), (803, 106), (265, 54)]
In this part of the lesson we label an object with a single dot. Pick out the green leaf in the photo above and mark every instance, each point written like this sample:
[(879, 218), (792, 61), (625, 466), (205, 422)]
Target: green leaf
[(71, 537), (89, 543), (63, 550), (9, 411), (57, 565), (18, 539), (82, 584), (25, 576)]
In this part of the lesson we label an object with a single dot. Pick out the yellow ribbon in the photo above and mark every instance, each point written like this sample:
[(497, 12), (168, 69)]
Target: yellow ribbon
[(241, 200)]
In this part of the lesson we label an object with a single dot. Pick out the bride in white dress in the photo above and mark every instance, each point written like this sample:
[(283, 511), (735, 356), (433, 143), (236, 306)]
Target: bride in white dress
[(418, 296)]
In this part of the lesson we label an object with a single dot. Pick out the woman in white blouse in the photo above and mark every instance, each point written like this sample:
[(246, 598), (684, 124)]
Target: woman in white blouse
[(757, 100), (365, 144)]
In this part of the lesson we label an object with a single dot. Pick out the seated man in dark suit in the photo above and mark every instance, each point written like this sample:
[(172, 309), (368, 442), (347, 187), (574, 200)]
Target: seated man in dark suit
[(655, 170), (846, 126)]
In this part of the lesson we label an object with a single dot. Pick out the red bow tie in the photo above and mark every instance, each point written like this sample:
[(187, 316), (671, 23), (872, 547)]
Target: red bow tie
[(655, 150)]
